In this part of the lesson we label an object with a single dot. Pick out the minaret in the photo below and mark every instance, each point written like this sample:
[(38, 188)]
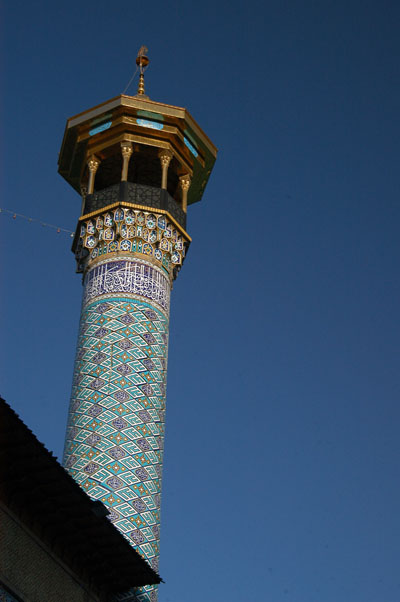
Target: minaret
[(138, 164)]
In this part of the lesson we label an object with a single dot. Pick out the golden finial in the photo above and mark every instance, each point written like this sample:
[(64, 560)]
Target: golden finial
[(142, 61)]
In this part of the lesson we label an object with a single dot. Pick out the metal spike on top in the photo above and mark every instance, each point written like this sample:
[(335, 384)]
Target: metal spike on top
[(142, 62)]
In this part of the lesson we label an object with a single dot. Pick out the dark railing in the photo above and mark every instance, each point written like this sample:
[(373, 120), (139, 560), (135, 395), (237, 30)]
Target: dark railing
[(147, 196)]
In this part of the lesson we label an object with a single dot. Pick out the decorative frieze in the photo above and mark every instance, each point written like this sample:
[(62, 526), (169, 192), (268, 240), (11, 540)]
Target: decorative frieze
[(125, 230), (128, 277)]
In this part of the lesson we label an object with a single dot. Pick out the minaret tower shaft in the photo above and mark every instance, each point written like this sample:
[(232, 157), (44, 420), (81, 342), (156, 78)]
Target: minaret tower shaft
[(138, 164)]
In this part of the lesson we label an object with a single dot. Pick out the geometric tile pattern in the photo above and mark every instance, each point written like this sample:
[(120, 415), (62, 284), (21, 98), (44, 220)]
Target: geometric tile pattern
[(115, 433)]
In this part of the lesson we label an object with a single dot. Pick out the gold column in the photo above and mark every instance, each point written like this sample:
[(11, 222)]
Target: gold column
[(185, 185), (165, 156), (93, 163), (127, 150)]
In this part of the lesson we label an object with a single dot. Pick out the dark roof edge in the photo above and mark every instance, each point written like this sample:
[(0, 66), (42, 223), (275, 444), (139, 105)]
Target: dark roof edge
[(20, 447)]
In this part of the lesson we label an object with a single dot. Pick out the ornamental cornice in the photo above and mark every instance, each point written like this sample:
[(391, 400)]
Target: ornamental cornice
[(131, 231), (144, 208)]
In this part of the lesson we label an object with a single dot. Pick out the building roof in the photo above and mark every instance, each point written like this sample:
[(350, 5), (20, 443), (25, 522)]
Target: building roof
[(144, 122), (46, 498)]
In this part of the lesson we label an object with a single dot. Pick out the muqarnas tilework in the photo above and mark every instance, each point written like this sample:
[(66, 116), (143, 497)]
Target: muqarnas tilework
[(115, 434)]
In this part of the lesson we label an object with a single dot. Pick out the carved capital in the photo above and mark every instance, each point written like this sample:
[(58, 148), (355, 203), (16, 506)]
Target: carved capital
[(93, 163), (185, 182), (126, 149), (165, 156)]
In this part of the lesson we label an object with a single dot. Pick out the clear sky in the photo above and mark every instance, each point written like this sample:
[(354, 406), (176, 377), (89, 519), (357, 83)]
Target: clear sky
[(281, 474)]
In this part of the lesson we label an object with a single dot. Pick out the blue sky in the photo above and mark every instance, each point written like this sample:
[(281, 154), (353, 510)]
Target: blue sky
[(282, 449)]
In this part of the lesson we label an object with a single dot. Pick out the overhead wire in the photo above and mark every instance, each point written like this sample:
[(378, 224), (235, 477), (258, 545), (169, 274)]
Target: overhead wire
[(58, 229), (130, 81)]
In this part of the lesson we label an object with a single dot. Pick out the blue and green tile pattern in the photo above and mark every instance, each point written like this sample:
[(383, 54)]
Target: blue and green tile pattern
[(115, 434)]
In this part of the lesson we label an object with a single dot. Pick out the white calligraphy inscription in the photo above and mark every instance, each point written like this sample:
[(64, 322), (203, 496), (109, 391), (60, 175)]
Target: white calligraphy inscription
[(132, 277)]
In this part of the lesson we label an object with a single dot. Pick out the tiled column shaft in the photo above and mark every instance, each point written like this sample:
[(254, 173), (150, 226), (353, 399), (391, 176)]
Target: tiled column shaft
[(116, 419)]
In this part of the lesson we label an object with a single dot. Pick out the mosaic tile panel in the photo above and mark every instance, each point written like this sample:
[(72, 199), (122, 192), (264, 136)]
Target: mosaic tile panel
[(115, 433)]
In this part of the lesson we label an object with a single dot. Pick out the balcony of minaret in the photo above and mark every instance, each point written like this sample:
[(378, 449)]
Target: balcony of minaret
[(138, 174), (135, 154)]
